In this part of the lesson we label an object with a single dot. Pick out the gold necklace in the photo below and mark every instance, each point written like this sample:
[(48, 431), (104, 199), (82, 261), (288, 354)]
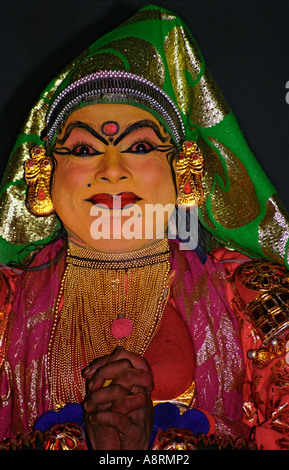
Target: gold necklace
[(109, 300)]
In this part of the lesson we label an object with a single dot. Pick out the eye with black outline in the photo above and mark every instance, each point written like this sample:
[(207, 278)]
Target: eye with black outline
[(79, 150), (140, 148), (83, 150)]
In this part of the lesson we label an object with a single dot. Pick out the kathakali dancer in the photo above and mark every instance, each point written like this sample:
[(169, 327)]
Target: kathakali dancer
[(114, 341)]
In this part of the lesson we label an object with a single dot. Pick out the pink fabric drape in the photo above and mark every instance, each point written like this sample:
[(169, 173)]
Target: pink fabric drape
[(199, 292), (199, 295)]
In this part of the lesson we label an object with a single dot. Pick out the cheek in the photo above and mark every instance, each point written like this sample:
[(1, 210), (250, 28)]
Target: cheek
[(159, 180), (67, 180), (60, 187), (67, 192)]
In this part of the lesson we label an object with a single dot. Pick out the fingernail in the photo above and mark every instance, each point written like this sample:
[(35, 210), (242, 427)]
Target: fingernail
[(107, 383), (86, 370)]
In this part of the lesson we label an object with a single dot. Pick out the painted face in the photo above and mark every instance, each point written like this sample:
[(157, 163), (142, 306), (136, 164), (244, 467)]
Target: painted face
[(113, 177)]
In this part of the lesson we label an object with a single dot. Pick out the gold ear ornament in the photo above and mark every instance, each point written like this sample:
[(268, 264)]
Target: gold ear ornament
[(189, 174), (37, 171)]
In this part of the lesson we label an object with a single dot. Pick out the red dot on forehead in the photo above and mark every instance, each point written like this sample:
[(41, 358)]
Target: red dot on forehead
[(110, 128)]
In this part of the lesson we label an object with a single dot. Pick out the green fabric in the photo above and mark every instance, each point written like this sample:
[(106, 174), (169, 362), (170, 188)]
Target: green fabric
[(241, 208)]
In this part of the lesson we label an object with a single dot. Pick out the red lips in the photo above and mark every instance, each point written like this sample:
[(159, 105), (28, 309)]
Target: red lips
[(114, 202)]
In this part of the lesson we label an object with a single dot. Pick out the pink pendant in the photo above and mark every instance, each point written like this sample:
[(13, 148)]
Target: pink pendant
[(121, 328)]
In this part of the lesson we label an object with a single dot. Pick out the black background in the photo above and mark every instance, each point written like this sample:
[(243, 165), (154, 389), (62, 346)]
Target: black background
[(245, 44)]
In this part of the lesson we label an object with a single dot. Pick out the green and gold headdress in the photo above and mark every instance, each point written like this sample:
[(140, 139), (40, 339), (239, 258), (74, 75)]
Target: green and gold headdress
[(152, 61)]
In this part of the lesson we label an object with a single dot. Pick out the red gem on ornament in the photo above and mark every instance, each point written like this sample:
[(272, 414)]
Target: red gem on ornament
[(30, 163), (196, 157), (121, 328), (189, 144), (181, 156), (187, 188), (41, 195), (37, 150)]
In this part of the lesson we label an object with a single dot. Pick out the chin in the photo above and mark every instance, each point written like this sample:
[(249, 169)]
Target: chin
[(113, 240), (116, 246)]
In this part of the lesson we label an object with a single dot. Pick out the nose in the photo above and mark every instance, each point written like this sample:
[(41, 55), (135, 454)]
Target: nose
[(112, 167)]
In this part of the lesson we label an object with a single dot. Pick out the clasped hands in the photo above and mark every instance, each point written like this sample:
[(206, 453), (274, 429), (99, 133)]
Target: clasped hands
[(118, 411)]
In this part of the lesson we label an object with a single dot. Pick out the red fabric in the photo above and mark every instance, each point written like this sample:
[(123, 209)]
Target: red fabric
[(170, 356), (266, 389)]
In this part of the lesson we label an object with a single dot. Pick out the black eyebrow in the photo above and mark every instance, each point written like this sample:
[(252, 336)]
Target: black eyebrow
[(80, 125), (139, 125)]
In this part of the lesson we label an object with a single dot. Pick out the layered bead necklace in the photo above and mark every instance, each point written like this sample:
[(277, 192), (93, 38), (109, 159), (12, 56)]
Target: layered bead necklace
[(105, 300)]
